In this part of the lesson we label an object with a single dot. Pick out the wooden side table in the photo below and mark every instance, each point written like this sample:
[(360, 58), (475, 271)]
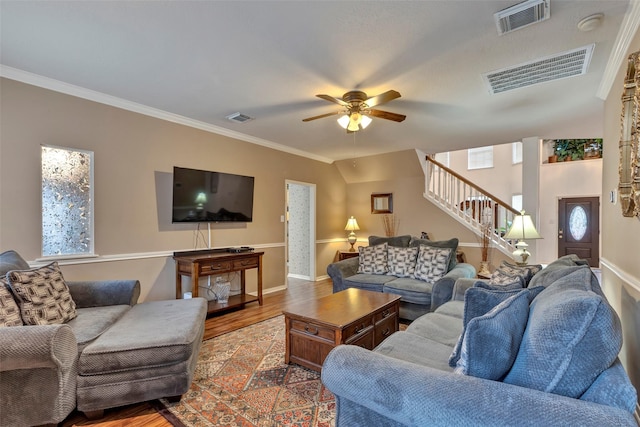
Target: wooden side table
[(214, 262), (347, 254)]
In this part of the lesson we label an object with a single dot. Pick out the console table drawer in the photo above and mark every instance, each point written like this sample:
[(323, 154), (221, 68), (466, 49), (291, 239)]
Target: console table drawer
[(313, 330), (217, 266), (245, 263)]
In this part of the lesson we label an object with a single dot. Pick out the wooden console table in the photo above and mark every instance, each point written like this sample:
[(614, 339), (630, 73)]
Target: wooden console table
[(215, 262)]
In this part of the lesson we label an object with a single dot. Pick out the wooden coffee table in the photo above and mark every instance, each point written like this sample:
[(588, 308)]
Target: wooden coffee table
[(353, 316)]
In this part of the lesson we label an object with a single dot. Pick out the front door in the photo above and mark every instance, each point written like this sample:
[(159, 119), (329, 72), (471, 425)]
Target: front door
[(578, 228)]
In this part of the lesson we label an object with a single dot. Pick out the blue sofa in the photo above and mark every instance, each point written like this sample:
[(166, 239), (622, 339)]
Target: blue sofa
[(541, 355), (417, 296)]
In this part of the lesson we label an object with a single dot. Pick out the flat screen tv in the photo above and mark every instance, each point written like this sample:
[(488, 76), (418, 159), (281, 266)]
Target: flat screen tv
[(206, 196)]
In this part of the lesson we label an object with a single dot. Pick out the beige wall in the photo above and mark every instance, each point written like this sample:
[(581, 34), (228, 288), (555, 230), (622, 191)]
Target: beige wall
[(620, 236), (134, 159)]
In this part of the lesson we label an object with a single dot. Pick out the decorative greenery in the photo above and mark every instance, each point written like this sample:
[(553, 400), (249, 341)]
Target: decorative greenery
[(573, 149)]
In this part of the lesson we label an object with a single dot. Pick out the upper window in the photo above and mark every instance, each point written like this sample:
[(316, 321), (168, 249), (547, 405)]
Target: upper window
[(480, 158), (516, 152), (442, 158), (67, 201), (516, 202)]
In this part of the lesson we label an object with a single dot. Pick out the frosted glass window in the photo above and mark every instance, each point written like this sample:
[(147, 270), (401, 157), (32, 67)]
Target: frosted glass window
[(480, 158), (516, 152), (578, 223), (67, 201)]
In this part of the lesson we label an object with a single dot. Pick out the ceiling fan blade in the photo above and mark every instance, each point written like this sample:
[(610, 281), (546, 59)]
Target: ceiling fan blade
[(321, 116), (333, 99), (387, 96), (386, 115)]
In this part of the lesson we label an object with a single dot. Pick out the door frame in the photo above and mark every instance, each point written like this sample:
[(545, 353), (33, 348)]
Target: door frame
[(312, 228)]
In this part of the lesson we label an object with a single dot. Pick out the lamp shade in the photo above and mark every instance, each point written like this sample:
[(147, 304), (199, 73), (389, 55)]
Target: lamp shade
[(522, 228), (352, 224)]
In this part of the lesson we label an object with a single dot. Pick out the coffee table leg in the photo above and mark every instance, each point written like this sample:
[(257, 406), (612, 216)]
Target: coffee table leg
[(287, 329)]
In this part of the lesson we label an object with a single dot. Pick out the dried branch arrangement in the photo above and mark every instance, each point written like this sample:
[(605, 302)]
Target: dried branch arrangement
[(485, 241), (390, 224)]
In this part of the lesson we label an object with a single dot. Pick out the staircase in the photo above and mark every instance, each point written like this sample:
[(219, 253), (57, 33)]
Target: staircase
[(478, 210)]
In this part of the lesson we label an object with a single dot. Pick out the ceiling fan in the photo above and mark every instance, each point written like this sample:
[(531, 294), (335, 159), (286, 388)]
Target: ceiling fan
[(358, 108)]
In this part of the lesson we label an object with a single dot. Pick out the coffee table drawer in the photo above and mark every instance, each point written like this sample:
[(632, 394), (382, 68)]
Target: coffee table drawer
[(384, 328), (312, 329), (363, 339), (387, 312)]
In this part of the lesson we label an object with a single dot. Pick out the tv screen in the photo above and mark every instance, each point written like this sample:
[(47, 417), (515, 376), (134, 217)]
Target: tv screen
[(205, 196)]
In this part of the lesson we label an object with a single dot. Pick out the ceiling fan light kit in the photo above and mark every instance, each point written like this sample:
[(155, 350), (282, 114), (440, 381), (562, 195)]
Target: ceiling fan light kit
[(358, 109)]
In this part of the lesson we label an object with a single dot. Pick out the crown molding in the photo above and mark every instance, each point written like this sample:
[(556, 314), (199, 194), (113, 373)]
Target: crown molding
[(628, 29), (102, 98)]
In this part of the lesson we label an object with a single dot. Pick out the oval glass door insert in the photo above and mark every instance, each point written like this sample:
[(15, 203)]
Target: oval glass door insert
[(578, 222)]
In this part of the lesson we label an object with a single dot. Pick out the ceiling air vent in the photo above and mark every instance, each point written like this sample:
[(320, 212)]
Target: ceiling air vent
[(239, 118), (521, 15), (566, 64)]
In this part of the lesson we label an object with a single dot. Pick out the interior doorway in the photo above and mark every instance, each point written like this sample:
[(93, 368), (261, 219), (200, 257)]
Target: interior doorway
[(579, 228), (300, 230)]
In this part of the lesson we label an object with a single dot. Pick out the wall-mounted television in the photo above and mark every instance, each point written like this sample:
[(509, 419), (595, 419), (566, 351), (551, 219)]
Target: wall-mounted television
[(207, 196)]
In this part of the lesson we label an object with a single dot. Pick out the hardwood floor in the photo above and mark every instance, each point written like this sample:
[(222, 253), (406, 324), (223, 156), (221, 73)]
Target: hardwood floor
[(145, 414)]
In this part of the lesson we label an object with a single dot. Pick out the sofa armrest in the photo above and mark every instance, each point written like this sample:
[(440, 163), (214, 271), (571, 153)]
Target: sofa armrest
[(461, 286), (38, 374), (443, 289), (340, 270), (103, 293), (411, 394), (30, 347)]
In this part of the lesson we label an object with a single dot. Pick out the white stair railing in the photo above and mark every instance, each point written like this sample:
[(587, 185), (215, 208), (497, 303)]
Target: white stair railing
[(472, 206)]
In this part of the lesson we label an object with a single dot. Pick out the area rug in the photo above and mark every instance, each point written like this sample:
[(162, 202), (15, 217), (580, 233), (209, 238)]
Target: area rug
[(241, 380)]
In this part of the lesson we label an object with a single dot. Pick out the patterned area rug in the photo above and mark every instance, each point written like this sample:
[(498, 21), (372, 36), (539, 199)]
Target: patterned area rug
[(241, 380)]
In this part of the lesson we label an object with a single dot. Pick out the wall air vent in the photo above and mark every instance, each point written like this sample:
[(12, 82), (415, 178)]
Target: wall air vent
[(239, 118), (521, 15), (566, 64)]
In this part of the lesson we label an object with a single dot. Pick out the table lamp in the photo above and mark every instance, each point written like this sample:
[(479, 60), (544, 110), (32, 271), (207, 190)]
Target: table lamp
[(522, 228), (351, 226)]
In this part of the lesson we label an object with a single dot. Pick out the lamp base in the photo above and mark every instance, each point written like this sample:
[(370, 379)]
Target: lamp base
[(352, 239), (521, 254)]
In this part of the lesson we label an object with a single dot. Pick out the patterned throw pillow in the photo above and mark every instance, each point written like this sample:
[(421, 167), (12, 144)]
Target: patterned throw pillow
[(9, 311), (526, 271), (432, 263), (42, 295), (451, 244), (402, 261), (373, 259), (505, 280)]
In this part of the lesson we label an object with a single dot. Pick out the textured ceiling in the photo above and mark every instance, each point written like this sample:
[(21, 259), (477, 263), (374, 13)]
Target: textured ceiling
[(204, 60)]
